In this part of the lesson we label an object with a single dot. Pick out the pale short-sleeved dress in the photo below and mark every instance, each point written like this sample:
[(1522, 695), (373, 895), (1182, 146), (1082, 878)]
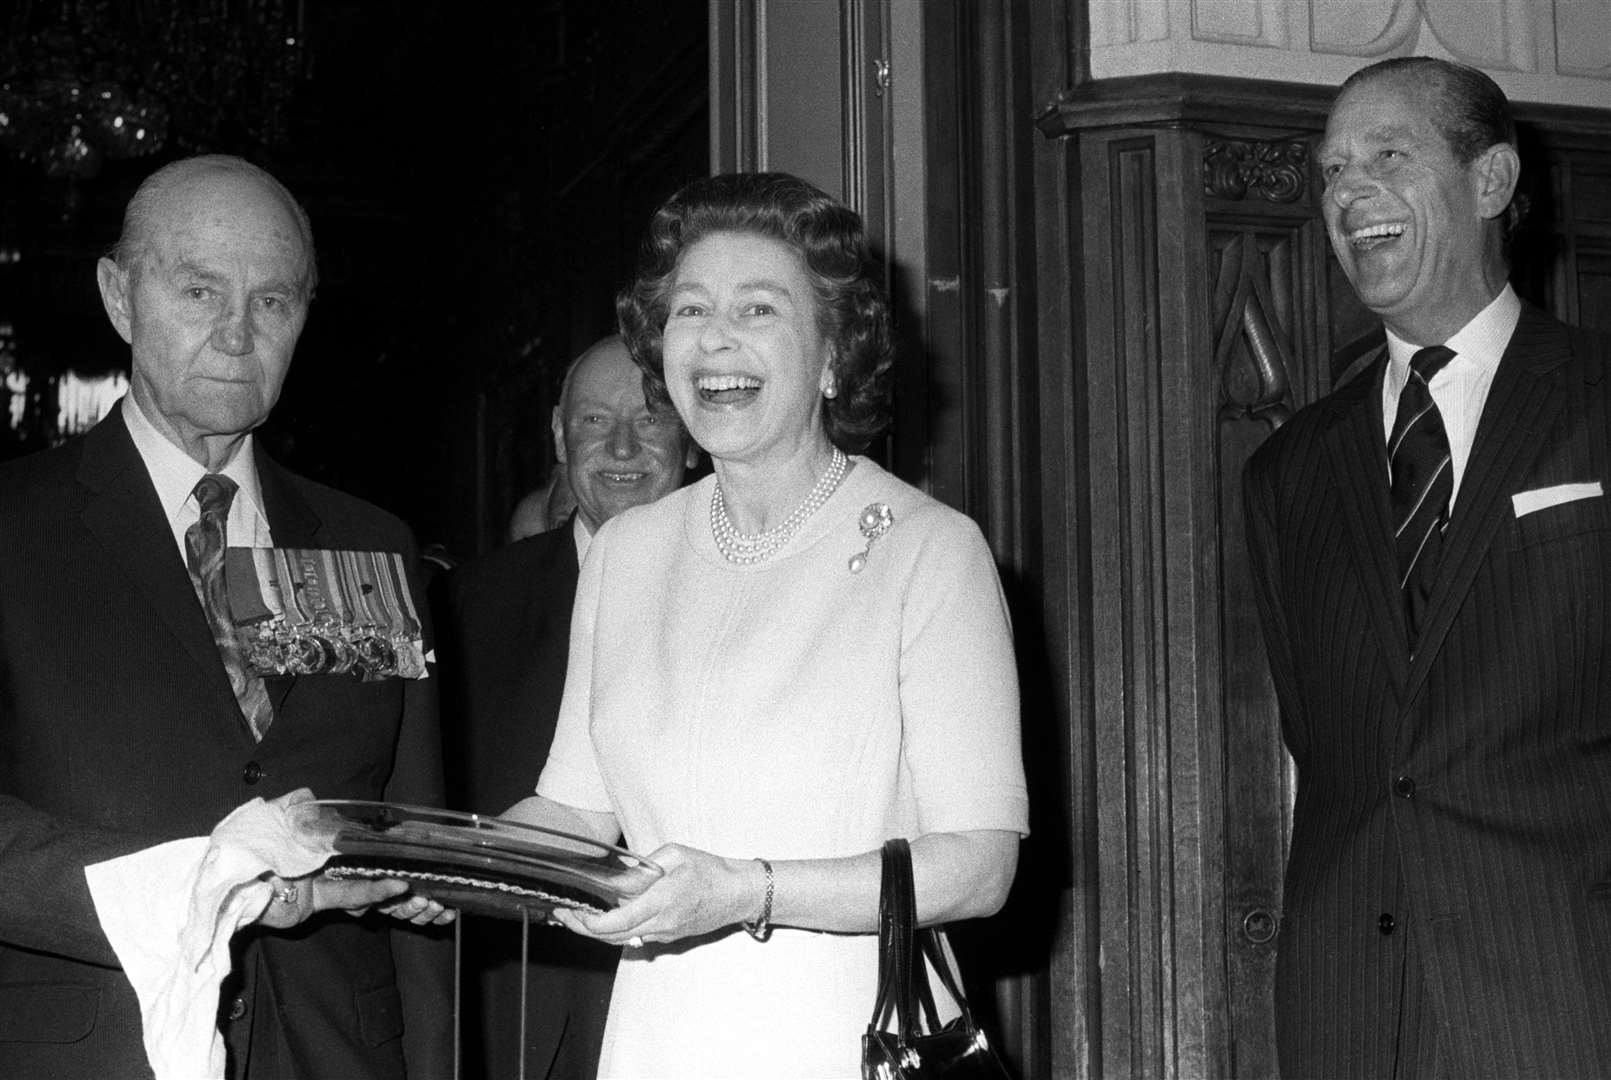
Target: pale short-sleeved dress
[(789, 709)]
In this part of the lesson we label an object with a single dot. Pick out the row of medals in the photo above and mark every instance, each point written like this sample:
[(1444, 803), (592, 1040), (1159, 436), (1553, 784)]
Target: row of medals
[(326, 613), (281, 648)]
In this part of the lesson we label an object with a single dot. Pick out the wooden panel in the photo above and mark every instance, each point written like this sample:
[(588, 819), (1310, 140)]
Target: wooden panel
[(977, 405), (1264, 306), (735, 97), (796, 91), (1072, 1028), (801, 83), (1594, 286), (1591, 194), (1154, 685), (1123, 556)]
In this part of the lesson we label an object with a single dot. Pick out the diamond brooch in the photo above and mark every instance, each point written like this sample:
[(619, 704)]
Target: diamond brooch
[(874, 522)]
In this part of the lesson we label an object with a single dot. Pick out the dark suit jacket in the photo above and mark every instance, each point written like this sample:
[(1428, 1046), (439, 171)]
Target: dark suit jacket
[(1450, 868), (505, 635), (118, 730)]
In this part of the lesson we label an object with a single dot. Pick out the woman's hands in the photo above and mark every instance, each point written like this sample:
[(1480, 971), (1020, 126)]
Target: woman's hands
[(699, 893), (959, 875)]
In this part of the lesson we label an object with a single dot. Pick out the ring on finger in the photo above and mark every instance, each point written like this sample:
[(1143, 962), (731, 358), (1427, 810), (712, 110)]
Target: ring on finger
[(635, 941), (286, 895)]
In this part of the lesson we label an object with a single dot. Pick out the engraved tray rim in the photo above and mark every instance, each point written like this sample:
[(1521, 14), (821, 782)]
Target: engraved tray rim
[(474, 862)]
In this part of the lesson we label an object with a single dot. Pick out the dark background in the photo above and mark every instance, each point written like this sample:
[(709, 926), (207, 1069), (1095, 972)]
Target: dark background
[(477, 176)]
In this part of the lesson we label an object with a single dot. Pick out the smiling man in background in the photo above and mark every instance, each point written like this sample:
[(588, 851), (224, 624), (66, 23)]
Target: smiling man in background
[(505, 639), (1432, 550)]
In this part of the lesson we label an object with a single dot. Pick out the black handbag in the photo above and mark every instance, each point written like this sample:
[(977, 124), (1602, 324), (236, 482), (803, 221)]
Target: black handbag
[(956, 1051)]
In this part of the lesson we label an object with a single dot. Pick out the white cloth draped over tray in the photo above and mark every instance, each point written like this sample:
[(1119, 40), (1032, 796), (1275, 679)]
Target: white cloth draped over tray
[(169, 912)]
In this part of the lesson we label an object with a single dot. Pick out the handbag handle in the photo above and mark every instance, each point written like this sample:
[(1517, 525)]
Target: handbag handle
[(894, 942), (903, 981)]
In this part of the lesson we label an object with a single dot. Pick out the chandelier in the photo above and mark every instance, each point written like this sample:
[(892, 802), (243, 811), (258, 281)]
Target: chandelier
[(86, 81)]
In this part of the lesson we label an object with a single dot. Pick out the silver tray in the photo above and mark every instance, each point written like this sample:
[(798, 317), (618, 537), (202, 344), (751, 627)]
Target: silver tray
[(486, 865)]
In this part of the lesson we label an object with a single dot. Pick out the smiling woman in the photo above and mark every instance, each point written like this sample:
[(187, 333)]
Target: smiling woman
[(780, 667), (744, 360), (826, 243)]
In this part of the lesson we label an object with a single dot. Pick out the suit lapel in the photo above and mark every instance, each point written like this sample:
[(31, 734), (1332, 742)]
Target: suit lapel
[(125, 516), (1526, 396), (1356, 449), (293, 524)]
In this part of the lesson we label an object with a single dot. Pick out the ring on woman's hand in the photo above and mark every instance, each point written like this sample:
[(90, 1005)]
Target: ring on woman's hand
[(635, 941), (286, 895)]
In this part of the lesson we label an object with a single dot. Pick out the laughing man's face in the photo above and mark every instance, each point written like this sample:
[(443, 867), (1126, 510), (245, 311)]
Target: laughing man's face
[(1408, 221), (618, 451)]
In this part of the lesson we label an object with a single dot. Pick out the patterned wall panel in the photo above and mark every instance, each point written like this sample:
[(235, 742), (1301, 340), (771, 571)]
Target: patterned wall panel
[(1556, 51), (1266, 312)]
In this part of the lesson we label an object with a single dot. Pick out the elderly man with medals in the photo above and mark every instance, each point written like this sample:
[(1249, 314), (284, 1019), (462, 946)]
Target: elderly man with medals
[(152, 680)]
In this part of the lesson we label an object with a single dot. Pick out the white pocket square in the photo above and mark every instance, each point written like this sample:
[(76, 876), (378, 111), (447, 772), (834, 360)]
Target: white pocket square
[(1526, 502)]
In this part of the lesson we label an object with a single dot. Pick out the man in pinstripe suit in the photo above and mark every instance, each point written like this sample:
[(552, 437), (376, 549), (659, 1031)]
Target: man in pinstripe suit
[(1432, 550)]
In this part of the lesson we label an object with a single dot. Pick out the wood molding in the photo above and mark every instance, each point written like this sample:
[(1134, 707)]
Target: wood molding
[(1177, 98), (736, 117), (1174, 99), (1276, 170)]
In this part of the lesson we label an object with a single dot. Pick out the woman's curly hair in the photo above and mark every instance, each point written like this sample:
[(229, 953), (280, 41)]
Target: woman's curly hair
[(852, 311)]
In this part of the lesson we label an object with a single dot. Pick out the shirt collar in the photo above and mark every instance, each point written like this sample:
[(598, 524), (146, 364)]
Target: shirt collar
[(582, 536), (1481, 341), (174, 472)]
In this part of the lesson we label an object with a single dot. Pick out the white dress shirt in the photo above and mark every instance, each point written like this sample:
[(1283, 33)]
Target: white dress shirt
[(583, 538), (1460, 389), (174, 473)]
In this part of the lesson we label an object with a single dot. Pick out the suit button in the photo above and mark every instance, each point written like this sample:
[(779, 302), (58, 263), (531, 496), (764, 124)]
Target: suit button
[(1385, 924), (252, 773), (237, 1008), (1404, 786)]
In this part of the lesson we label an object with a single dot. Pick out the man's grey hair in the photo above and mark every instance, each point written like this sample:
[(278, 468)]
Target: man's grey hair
[(563, 401), (135, 238)]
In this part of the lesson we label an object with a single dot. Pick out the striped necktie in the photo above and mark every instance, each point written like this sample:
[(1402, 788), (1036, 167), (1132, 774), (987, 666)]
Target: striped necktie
[(204, 552), (1423, 480)]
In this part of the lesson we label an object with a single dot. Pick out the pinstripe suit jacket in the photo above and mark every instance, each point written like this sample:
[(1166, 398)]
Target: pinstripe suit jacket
[(1464, 793)]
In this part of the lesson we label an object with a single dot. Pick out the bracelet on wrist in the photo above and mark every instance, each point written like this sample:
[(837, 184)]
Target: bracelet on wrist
[(761, 928)]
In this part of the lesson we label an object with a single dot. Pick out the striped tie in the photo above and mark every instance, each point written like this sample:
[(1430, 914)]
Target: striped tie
[(1423, 479), (204, 550)]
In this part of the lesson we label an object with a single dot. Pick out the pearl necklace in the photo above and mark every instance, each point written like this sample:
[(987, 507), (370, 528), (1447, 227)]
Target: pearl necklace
[(742, 548)]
